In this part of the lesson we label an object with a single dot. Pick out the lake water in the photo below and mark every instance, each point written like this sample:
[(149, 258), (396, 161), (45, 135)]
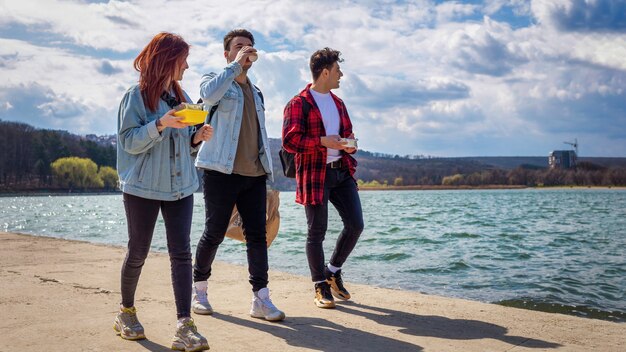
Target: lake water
[(561, 250)]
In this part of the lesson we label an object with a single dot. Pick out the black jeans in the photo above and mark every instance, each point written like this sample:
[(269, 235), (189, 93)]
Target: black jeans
[(221, 193), (341, 190), (141, 215)]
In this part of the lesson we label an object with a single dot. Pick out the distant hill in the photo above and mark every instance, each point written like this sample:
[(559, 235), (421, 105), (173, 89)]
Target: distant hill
[(28, 152), (511, 162), (428, 170)]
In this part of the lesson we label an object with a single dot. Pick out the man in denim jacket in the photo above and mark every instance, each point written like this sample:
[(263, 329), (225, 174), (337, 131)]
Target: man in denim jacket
[(236, 163)]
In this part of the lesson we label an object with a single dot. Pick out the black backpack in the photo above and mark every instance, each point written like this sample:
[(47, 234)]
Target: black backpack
[(287, 159)]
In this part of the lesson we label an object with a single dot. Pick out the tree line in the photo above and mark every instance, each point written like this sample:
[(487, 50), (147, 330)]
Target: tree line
[(28, 154), (584, 174)]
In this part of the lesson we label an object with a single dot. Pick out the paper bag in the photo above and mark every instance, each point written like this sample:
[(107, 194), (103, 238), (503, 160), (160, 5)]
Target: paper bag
[(235, 228)]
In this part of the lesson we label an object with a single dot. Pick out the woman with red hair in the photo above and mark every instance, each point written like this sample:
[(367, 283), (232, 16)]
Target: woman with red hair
[(157, 174)]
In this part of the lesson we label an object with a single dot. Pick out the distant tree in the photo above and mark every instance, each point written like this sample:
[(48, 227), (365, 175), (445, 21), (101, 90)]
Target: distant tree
[(101, 155), (373, 183), (454, 180), (109, 177), (398, 181), (76, 173), (589, 166)]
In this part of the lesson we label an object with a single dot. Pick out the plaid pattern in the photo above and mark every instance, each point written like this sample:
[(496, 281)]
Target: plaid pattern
[(302, 136)]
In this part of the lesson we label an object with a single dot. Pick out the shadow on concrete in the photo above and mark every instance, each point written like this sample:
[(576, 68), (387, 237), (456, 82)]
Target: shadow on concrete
[(153, 346), (321, 335), (440, 327)]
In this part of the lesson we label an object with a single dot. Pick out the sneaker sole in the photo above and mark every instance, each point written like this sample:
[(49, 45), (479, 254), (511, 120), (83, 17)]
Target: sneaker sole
[(182, 347), (126, 337), (339, 295), (324, 305), (202, 312), (278, 318)]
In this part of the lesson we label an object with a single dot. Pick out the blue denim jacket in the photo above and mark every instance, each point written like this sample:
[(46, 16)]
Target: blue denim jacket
[(150, 164), (219, 152)]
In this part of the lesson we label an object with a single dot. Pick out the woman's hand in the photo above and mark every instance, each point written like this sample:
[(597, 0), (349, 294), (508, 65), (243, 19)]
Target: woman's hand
[(169, 120), (203, 134)]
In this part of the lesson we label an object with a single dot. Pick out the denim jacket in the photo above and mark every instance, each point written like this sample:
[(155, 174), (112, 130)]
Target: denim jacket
[(219, 152), (150, 164)]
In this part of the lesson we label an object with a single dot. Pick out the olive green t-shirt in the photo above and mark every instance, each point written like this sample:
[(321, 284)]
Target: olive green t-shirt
[(247, 162)]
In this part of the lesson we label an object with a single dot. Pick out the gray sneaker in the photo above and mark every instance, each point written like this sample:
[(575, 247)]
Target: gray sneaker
[(262, 306), (127, 325), (188, 339), (199, 300)]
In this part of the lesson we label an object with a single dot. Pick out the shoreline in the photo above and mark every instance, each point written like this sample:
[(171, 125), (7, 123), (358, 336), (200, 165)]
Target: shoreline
[(361, 188), (484, 187), (50, 284)]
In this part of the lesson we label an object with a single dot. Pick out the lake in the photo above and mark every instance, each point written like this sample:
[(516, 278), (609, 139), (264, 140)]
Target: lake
[(556, 250)]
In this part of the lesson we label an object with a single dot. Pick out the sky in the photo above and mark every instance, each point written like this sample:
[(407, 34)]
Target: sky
[(437, 78)]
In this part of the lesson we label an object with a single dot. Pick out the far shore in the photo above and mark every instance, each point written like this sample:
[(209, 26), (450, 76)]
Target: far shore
[(44, 193), (61, 295), (483, 187), (60, 192)]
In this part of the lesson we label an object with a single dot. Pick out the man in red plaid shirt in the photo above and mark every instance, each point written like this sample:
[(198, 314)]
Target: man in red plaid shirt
[(322, 142)]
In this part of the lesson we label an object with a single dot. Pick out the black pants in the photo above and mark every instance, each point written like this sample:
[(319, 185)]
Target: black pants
[(141, 215), (221, 193), (341, 190)]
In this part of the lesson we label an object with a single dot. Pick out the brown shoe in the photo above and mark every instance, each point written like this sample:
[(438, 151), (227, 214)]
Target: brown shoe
[(336, 284), (323, 297)]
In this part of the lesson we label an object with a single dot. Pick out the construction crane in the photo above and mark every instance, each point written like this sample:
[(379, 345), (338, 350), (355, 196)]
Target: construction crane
[(574, 144)]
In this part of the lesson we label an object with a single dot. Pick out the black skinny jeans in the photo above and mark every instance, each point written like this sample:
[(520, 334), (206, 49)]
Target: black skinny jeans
[(221, 193), (141, 215), (341, 190)]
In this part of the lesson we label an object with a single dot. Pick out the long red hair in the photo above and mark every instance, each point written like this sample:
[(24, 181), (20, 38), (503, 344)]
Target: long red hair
[(157, 64)]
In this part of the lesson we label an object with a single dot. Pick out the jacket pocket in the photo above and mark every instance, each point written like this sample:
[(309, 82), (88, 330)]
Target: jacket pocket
[(142, 169), (228, 101)]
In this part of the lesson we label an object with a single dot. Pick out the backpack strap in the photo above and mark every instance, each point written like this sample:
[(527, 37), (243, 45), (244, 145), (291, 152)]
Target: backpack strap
[(259, 93), (212, 111)]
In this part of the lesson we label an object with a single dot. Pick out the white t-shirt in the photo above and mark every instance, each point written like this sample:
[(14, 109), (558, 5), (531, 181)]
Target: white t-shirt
[(330, 116)]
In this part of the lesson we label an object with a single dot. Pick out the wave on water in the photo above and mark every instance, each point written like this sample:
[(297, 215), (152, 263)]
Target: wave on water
[(551, 307)]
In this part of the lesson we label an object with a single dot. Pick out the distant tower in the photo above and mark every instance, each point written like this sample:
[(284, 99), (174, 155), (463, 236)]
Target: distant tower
[(564, 159), (574, 144)]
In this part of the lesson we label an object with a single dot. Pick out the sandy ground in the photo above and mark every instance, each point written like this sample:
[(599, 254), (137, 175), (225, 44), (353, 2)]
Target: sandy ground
[(58, 295)]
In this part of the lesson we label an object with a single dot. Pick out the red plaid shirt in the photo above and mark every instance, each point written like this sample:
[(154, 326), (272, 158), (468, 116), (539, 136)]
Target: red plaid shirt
[(302, 136)]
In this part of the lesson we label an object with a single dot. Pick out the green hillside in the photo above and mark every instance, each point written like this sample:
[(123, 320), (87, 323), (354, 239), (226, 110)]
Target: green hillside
[(28, 152)]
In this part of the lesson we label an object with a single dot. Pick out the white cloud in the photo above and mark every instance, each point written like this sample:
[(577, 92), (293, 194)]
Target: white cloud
[(518, 7), (420, 77), (452, 10), (581, 15)]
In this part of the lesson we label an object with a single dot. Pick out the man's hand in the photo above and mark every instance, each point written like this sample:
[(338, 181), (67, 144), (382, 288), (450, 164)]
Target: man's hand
[(203, 134), (333, 142), (242, 55), (348, 149)]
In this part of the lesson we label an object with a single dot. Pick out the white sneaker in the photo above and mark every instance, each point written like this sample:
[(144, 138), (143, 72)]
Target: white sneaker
[(262, 306), (187, 337), (199, 301)]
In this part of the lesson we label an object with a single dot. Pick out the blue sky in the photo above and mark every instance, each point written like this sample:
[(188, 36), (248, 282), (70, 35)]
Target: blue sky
[(441, 78)]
